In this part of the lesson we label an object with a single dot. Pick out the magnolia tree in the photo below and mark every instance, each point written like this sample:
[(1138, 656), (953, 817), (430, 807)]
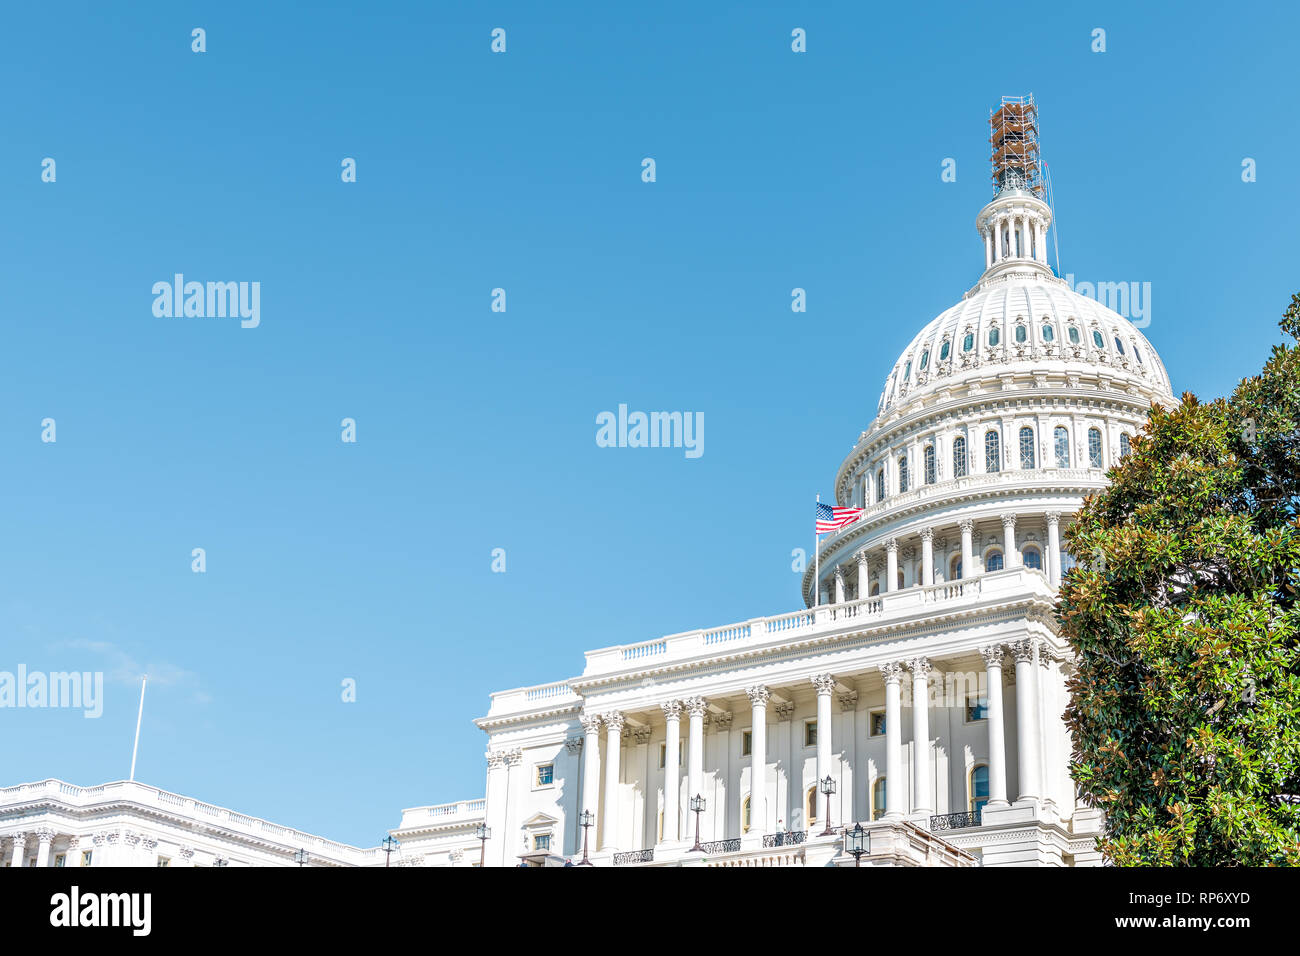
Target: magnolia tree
[(1185, 709)]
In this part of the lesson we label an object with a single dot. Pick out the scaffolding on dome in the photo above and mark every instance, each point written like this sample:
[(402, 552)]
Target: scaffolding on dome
[(1014, 138)]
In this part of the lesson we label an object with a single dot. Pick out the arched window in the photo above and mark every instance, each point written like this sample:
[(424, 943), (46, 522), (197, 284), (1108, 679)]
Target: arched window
[(959, 457), (1033, 558), (744, 815), (1026, 447), (880, 484), (1137, 353), (1074, 335), (925, 359), (907, 370), (1049, 333), (1062, 437), (943, 350), (1119, 346), (902, 474), (979, 787), (879, 794), (995, 336), (1124, 445), (900, 580), (1021, 333), (954, 568), (968, 342), (810, 804), (930, 469), (993, 561), (875, 588), (1097, 340), (992, 452), (1094, 447)]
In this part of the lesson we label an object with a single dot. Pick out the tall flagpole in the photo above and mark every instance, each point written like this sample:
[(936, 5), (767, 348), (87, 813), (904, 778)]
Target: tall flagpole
[(817, 561), (138, 717)]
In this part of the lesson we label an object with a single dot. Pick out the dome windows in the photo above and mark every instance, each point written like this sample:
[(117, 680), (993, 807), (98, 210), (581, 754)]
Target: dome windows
[(1094, 447), (1125, 446), (1062, 439), (959, 457), (1021, 334), (993, 561), (1137, 353), (1027, 447), (968, 342), (930, 465), (1119, 346), (1097, 340), (995, 336), (880, 484), (907, 370), (1033, 558), (1048, 333), (943, 350), (902, 474), (992, 452), (925, 360), (1074, 335)]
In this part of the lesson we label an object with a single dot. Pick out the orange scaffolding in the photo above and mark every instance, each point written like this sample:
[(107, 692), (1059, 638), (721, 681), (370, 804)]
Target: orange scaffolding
[(1014, 138)]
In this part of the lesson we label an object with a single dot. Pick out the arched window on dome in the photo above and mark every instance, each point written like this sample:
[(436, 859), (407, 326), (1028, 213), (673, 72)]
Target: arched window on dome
[(968, 342), (979, 787), (1026, 447), (1062, 439), (1074, 335), (880, 484), (992, 452), (930, 469), (1049, 333), (943, 350), (1137, 353), (1119, 346), (902, 474), (954, 568), (907, 370), (1094, 448), (875, 588), (1097, 340), (1124, 445), (879, 794), (925, 360), (959, 457), (1022, 333), (993, 560), (995, 336), (1033, 558)]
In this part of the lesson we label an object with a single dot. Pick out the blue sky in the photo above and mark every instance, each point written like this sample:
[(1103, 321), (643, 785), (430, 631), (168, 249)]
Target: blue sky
[(476, 430)]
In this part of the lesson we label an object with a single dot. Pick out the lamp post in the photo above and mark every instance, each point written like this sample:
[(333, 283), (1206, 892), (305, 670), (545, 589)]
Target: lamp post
[(300, 857), (697, 807), (587, 821), (220, 861), (389, 846), (859, 842), (828, 787), (482, 832)]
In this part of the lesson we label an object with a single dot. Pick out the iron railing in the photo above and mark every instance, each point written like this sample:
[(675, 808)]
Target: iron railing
[(636, 856), (722, 846), (955, 821), (785, 838)]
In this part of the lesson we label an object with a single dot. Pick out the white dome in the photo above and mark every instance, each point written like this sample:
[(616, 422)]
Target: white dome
[(1022, 321)]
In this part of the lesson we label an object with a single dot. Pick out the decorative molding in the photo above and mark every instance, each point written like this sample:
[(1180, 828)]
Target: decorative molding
[(722, 722), (824, 683), (695, 706), (848, 700), (642, 734), (892, 671), (496, 759), (783, 710), (992, 654), (758, 695), (590, 723), (574, 745), (672, 709), (613, 721), (920, 668)]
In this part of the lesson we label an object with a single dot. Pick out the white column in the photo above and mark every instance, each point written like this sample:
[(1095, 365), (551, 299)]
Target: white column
[(1041, 233), (839, 585), (849, 802), (497, 799), (967, 552), (672, 769), (1011, 554), (997, 238), (758, 698), (1026, 719), (997, 735), (894, 789), (44, 837), (825, 685), (1013, 249), (864, 576), (927, 556), (19, 850), (695, 707), (72, 855), (1054, 548), (891, 564), (988, 248), (921, 803), (613, 750), (591, 766)]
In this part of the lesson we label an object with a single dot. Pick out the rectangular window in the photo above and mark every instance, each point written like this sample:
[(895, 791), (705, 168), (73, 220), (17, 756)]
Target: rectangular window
[(747, 743), (60, 860), (877, 723), (85, 857), (810, 733), (977, 708), (164, 861), (541, 842), (546, 775), (663, 756)]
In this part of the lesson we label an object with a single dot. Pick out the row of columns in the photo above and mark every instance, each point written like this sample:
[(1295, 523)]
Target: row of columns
[(42, 839), (1024, 238), (1027, 654)]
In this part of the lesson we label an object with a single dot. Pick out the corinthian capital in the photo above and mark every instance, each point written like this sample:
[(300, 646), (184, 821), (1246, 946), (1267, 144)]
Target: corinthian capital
[(892, 545), (920, 668), (695, 706), (613, 721), (1023, 651), (495, 759), (590, 723), (758, 695), (824, 683), (672, 709), (992, 655), (892, 671)]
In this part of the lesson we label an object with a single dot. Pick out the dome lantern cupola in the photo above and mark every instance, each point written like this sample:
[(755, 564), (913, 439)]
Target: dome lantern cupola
[(1014, 225)]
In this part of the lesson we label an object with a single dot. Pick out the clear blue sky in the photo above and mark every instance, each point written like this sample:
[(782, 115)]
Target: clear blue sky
[(477, 430)]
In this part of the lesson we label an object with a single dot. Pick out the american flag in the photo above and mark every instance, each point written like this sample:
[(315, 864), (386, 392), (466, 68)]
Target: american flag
[(830, 518)]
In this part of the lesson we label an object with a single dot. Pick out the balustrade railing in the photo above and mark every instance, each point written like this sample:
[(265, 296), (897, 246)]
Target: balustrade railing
[(636, 856), (722, 846), (785, 838), (955, 821)]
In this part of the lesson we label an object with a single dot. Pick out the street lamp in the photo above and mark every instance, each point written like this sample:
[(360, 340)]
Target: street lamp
[(859, 842), (220, 861), (300, 857), (482, 832), (828, 787), (586, 821), (389, 846), (697, 807)]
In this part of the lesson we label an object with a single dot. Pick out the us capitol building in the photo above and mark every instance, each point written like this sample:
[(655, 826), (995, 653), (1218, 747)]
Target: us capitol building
[(918, 692)]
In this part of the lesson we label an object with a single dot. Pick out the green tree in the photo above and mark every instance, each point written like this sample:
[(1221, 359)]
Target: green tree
[(1185, 710)]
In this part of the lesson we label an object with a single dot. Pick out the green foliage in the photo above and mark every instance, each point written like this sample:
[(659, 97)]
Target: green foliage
[(1185, 710)]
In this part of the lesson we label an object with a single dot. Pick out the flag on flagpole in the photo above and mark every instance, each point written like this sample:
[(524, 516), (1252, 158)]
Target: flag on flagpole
[(830, 518)]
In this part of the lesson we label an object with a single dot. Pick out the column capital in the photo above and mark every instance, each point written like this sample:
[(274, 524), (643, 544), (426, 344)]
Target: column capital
[(848, 700), (74, 841), (825, 684), (1053, 517), (590, 723), (758, 695), (722, 722), (920, 668), (641, 734), (672, 709), (574, 744), (695, 706), (992, 654), (861, 556), (927, 534), (613, 721), (892, 671), (45, 835), (1009, 520), (892, 545), (967, 525), (783, 710), (839, 574), (1023, 651)]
